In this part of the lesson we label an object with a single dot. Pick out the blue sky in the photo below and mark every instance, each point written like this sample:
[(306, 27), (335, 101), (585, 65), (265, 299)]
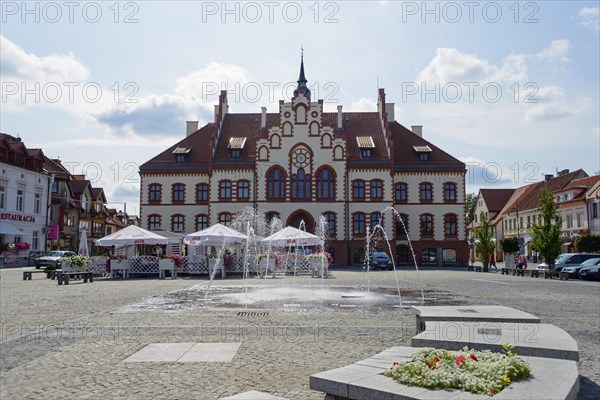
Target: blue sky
[(511, 88)]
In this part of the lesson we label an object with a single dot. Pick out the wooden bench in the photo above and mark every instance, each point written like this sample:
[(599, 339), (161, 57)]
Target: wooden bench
[(518, 272), (534, 273), (505, 271), (27, 274), (548, 275), (478, 268), (65, 277)]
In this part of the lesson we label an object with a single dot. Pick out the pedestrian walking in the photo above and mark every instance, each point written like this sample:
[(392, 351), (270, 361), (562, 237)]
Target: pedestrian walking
[(493, 261)]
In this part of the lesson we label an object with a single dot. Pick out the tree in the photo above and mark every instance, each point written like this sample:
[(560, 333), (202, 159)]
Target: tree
[(545, 234), (485, 245), (510, 245), (588, 244), (471, 202)]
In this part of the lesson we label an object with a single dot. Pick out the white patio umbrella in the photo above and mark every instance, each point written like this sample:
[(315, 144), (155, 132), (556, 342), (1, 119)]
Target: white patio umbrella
[(215, 235), (130, 236), (6, 228), (83, 244), (290, 236)]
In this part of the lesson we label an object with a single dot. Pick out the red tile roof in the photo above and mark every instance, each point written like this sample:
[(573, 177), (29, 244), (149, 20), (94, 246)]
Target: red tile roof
[(56, 168), (405, 155), (496, 199)]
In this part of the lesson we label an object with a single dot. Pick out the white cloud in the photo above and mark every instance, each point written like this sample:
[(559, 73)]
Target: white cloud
[(364, 105), (590, 17), (557, 51)]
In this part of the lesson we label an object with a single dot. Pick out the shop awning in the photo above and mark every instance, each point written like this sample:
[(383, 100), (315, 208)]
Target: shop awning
[(6, 228)]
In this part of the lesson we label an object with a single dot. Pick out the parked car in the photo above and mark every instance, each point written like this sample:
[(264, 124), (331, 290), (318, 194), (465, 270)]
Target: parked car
[(567, 260), (33, 255), (573, 271), (53, 259), (592, 273), (380, 259)]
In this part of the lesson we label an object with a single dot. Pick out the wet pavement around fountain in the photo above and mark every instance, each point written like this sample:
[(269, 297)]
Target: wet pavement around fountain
[(71, 341)]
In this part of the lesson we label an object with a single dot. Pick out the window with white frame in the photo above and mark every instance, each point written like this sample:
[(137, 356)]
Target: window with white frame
[(35, 240), (19, 200), (37, 201), (579, 220), (569, 221), (2, 197)]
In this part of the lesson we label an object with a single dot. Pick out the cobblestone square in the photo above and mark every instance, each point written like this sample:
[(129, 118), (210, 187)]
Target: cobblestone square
[(61, 342)]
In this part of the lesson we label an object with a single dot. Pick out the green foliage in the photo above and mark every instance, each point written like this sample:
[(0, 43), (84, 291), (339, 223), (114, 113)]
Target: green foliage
[(471, 202), (485, 246), (588, 244), (50, 268), (545, 235), (510, 245)]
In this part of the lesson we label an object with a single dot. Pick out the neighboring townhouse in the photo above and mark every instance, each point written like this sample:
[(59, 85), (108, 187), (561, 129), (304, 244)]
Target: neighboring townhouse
[(301, 163)]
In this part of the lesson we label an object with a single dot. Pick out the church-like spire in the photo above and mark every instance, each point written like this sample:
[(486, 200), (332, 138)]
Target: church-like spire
[(302, 88)]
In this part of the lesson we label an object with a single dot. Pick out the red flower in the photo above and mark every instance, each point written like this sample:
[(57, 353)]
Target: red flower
[(460, 360), (473, 357), (490, 392), (436, 360), (394, 364)]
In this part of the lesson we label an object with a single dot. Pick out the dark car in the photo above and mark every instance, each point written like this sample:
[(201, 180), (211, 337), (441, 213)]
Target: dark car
[(573, 271), (591, 273), (568, 260), (380, 259)]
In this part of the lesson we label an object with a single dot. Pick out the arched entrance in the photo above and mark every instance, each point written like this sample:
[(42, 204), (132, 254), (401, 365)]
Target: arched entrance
[(297, 216)]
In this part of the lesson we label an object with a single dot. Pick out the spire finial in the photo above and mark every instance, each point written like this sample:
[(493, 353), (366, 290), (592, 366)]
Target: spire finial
[(302, 88)]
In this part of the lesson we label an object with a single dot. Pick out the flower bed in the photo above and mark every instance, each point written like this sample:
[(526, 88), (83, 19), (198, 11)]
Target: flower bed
[(482, 372)]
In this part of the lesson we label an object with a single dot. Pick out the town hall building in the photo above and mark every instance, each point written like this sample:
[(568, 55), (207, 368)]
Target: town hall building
[(302, 163)]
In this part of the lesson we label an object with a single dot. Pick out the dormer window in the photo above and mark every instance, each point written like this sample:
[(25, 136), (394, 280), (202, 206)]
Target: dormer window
[(366, 146), (181, 154), (236, 144), (423, 152)]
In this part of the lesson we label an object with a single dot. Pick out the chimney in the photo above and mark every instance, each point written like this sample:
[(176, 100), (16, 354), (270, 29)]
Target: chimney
[(340, 123), (216, 114), (263, 118), (417, 130), (191, 127), (547, 177), (389, 108)]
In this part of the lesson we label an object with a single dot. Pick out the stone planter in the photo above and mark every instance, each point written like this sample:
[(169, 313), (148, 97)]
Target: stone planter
[(167, 264)]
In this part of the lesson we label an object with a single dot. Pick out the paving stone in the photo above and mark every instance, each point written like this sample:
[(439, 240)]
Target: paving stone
[(160, 352), (253, 395), (211, 352)]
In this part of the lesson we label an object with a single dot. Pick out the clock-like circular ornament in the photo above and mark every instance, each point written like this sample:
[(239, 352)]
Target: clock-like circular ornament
[(300, 158)]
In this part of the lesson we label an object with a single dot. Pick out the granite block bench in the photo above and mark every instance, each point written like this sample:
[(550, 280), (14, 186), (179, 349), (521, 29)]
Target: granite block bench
[(534, 273), (425, 314), (27, 274), (537, 340), (365, 380), (65, 277)]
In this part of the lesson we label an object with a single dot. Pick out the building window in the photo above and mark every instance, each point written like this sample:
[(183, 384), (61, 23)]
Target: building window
[(569, 221), (37, 201), (300, 185), (402, 254), (19, 200), (180, 158), (2, 197), (425, 192), (402, 225), (579, 220), (69, 219), (376, 189), (358, 190), (325, 185), (155, 193), (201, 222), (376, 220), (97, 229), (426, 225), (401, 192), (154, 222), (429, 256), (235, 153), (202, 192), (35, 240), (225, 219), (225, 190), (276, 185), (178, 193), (55, 187), (178, 223), (358, 224), (243, 190), (423, 156), (449, 191), (366, 153), (271, 216), (329, 223), (595, 207), (449, 256), (450, 225)]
